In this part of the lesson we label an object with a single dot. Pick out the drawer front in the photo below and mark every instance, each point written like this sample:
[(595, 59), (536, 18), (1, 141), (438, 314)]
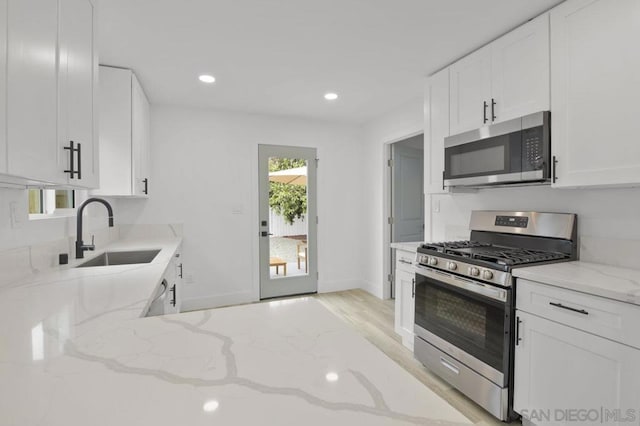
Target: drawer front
[(405, 260), (614, 320)]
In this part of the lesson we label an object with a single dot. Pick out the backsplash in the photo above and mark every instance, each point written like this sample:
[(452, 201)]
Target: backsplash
[(608, 227)]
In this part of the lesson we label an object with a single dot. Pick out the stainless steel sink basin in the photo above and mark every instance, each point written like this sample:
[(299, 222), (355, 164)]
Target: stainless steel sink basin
[(121, 258)]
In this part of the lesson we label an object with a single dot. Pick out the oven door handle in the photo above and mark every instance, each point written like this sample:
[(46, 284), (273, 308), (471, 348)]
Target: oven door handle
[(464, 284)]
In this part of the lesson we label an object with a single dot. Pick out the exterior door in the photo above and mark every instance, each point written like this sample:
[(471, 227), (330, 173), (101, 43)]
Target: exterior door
[(288, 221)]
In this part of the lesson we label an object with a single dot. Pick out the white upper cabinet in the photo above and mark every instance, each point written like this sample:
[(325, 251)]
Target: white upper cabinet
[(50, 78), (32, 91), (3, 85), (124, 134), (78, 78), (506, 79), (471, 91), (436, 125), (520, 71), (595, 90), (141, 138)]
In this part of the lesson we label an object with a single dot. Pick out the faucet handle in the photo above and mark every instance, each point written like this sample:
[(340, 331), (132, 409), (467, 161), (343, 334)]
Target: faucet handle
[(92, 247)]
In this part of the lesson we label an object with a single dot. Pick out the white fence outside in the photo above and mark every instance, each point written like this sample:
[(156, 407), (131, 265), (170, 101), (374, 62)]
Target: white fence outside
[(280, 228)]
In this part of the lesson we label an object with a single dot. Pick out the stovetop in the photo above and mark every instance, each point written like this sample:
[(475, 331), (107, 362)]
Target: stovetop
[(490, 254)]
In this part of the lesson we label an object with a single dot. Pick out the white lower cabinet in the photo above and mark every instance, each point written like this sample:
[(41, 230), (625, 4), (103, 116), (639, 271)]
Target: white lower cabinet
[(405, 297), (573, 362)]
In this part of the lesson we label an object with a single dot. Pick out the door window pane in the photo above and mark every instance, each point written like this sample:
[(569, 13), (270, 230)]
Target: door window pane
[(288, 242)]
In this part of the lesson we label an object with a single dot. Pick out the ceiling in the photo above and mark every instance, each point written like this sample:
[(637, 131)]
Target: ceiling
[(281, 56)]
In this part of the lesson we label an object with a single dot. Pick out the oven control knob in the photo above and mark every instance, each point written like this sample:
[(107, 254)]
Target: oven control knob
[(433, 261), (487, 275), (452, 266), (423, 259), (474, 272)]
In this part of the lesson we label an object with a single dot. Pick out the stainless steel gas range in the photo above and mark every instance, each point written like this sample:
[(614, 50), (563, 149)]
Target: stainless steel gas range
[(464, 299)]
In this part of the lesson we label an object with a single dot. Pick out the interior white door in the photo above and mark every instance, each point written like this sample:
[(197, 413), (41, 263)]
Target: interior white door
[(407, 206), (520, 71), (76, 76), (288, 251), (32, 91), (595, 90), (471, 91), (558, 368)]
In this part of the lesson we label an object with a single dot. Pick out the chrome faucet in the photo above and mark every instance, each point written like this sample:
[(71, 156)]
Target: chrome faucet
[(80, 246)]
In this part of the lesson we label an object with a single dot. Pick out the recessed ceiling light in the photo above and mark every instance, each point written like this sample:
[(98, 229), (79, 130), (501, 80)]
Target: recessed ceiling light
[(205, 78), (331, 96), (332, 377), (211, 406)]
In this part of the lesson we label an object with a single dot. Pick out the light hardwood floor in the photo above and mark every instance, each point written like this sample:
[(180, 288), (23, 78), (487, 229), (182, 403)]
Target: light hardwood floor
[(374, 319)]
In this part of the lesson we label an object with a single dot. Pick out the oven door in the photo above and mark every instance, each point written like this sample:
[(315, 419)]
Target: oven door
[(466, 319), (491, 155)]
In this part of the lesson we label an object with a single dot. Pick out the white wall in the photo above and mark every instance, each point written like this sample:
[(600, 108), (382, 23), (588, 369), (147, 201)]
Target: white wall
[(608, 219), (204, 174), (406, 120), (22, 232)]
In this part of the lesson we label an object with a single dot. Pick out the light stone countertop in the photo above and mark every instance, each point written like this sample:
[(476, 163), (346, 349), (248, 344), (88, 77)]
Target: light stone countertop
[(592, 278), (75, 352), (411, 246)]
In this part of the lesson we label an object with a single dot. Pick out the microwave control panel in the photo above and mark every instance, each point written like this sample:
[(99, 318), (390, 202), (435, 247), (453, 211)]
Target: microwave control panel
[(533, 151)]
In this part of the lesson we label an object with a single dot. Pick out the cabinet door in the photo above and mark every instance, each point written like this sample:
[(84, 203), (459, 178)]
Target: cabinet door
[(140, 136), (436, 124), (32, 88), (76, 77), (471, 91), (3, 86), (404, 306), (115, 131), (558, 368), (520, 71), (595, 90)]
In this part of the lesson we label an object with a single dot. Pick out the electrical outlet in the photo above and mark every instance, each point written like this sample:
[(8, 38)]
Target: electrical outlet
[(436, 206), (188, 279), (16, 217)]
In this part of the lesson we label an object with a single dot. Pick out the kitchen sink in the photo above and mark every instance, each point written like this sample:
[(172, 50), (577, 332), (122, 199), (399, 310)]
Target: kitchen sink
[(110, 258)]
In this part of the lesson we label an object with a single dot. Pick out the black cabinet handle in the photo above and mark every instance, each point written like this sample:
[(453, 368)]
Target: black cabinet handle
[(79, 151), (484, 112), (173, 297), (518, 338), (73, 150), (72, 170), (146, 186), (554, 177), (568, 308), (180, 266), (493, 110), (413, 288), (443, 188)]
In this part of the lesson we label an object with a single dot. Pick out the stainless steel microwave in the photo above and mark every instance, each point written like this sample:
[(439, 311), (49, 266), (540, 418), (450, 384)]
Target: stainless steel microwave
[(511, 152)]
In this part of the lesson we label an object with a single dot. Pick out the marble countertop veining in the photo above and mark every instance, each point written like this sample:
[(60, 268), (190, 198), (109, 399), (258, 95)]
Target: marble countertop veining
[(410, 246), (75, 352), (600, 280)]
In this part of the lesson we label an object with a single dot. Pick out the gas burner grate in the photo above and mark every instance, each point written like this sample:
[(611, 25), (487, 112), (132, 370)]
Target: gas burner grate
[(512, 257), (453, 245)]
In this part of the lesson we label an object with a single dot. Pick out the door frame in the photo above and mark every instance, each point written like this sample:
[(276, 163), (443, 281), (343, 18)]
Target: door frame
[(388, 254), (312, 215)]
